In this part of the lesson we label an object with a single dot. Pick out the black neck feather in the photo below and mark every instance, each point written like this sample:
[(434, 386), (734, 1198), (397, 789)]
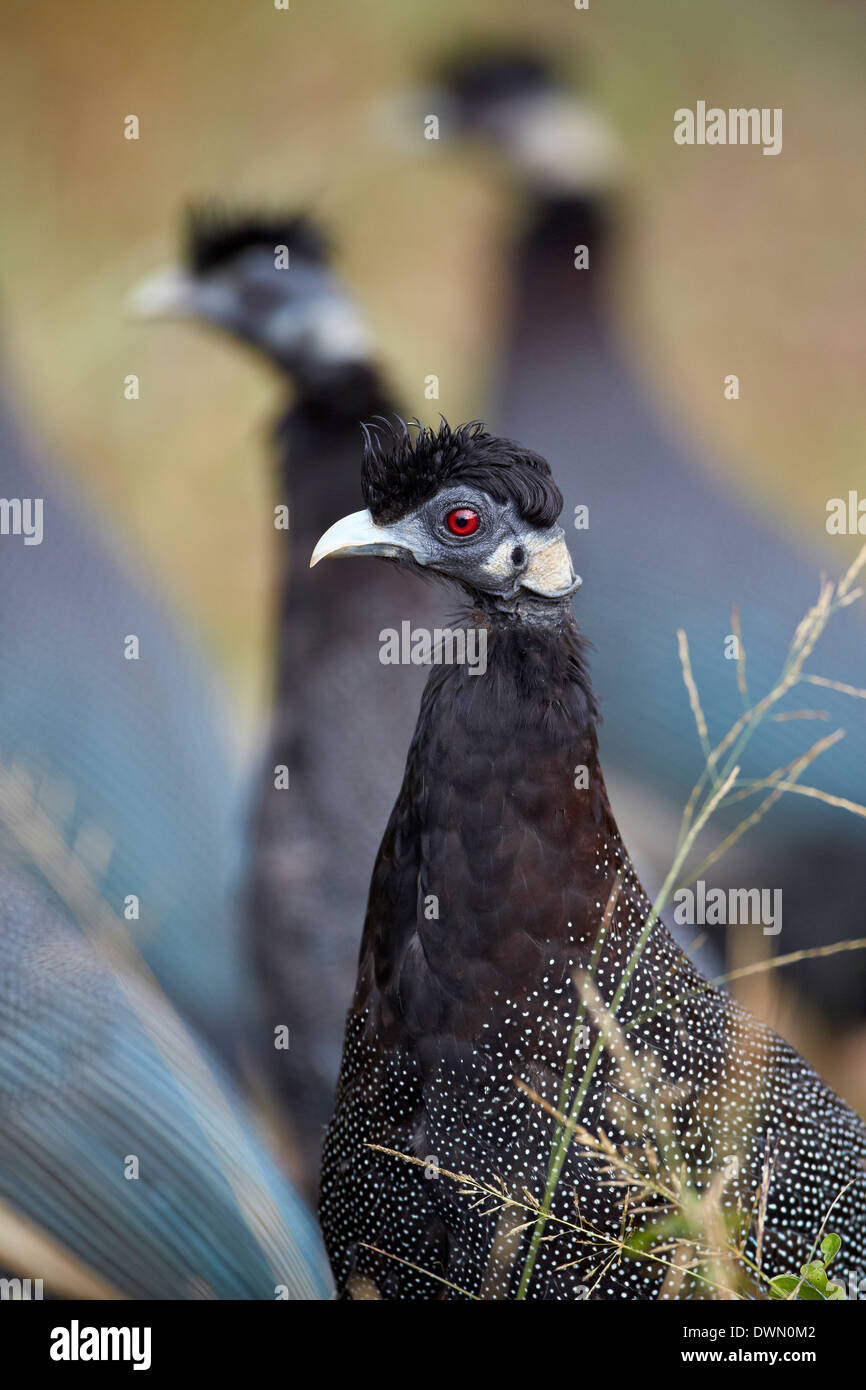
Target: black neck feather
[(495, 858)]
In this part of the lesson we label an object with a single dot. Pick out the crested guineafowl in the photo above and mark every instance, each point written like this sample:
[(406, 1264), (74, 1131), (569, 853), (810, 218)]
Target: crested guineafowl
[(503, 909)]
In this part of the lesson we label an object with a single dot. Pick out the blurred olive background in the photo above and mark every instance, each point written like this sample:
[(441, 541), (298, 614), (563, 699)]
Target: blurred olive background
[(733, 263)]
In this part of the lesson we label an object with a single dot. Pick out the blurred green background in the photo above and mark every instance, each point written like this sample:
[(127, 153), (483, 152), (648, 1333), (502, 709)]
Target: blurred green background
[(747, 265)]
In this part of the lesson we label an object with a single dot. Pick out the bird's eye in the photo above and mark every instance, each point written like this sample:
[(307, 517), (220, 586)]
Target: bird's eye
[(462, 521)]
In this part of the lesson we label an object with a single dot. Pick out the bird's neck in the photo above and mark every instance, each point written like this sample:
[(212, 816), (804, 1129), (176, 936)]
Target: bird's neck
[(339, 392), (532, 613), (502, 850), (318, 442), (539, 674), (563, 265)]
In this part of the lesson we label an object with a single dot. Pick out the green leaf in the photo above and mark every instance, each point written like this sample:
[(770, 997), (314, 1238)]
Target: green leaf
[(783, 1285), (830, 1246), (815, 1274), (810, 1294)]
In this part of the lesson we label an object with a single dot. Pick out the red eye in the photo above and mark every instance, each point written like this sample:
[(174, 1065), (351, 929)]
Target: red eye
[(462, 521)]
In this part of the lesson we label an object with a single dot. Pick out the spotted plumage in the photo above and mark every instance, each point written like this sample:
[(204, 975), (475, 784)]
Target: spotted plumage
[(500, 874)]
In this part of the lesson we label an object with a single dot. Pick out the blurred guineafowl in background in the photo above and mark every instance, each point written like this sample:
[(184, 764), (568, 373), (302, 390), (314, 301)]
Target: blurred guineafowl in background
[(341, 719), (127, 753), (128, 1165), (125, 1152), (459, 1007), (658, 511)]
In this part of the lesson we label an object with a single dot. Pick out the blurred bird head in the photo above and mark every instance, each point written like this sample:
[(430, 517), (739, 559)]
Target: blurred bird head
[(461, 504), (264, 280), (544, 129)]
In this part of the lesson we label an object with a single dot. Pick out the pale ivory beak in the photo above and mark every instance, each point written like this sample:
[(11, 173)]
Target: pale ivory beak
[(358, 534), (166, 294), (550, 571)]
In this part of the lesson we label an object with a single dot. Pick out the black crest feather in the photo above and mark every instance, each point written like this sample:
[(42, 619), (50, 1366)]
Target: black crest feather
[(214, 235), (491, 74), (405, 465)]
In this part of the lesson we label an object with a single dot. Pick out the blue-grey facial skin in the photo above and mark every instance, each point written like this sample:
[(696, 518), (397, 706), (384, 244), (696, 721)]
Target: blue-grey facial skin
[(502, 558), (480, 561)]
